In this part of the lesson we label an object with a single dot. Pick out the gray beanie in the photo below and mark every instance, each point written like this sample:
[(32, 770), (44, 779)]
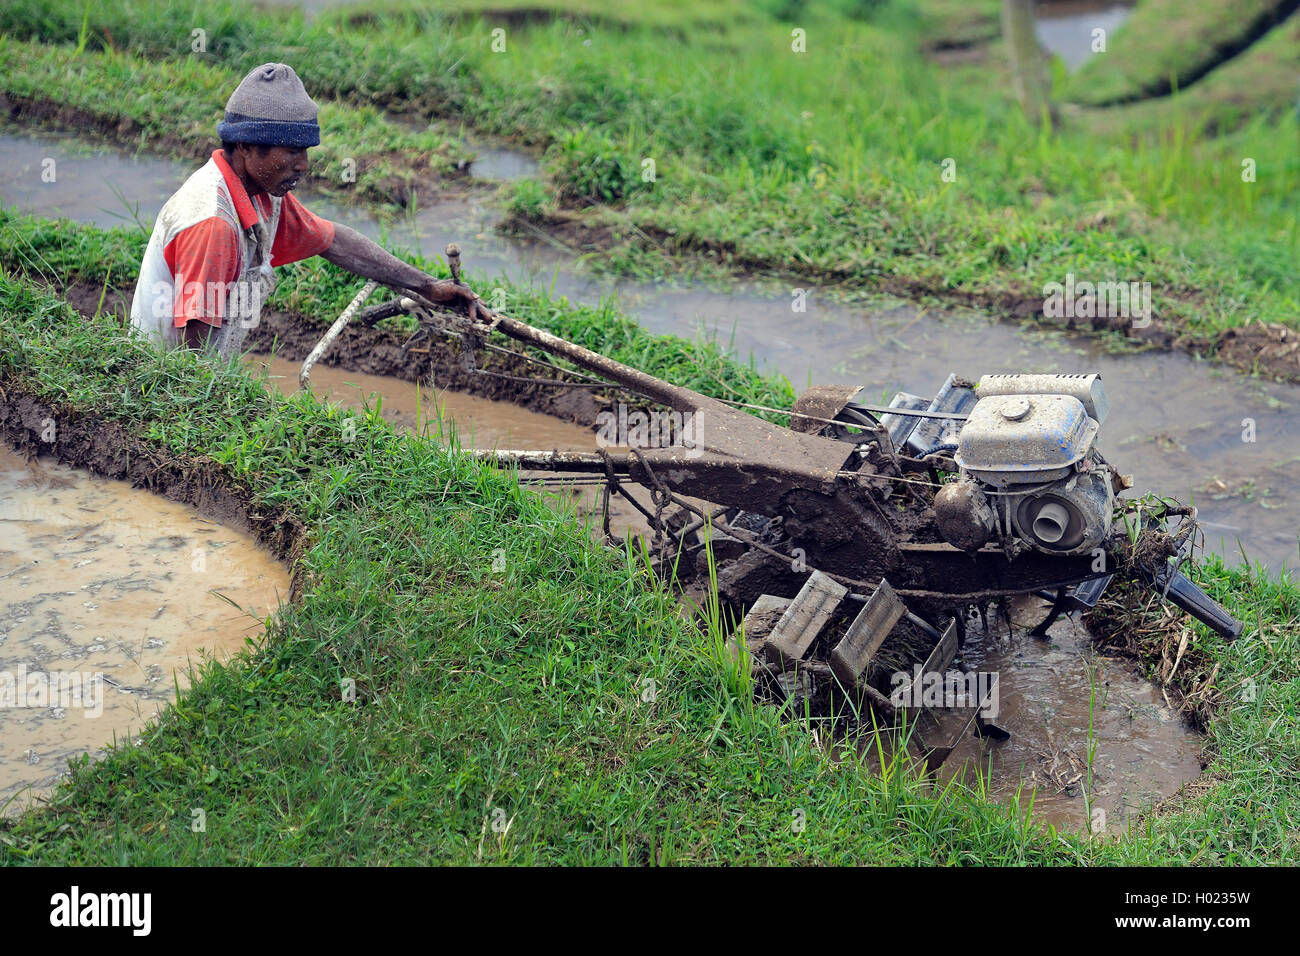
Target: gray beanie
[(270, 108)]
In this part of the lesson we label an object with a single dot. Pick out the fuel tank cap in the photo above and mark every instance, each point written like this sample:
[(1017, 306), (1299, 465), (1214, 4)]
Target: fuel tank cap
[(1014, 409)]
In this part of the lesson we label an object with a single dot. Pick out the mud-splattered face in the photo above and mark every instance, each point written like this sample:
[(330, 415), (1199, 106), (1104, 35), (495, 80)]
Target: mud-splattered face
[(271, 169)]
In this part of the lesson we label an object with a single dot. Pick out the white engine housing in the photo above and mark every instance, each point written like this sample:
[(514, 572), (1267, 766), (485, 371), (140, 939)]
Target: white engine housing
[(1029, 466)]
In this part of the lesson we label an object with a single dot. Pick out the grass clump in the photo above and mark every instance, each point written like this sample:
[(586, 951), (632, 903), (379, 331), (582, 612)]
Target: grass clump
[(1167, 45)]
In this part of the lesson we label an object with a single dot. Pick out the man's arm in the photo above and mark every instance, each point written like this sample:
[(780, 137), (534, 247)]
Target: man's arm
[(352, 251)]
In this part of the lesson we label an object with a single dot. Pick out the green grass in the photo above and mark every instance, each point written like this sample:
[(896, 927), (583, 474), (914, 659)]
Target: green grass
[(1166, 45), (822, 167), (518, 691), (1262, 81), (670, 15), (173, 106)]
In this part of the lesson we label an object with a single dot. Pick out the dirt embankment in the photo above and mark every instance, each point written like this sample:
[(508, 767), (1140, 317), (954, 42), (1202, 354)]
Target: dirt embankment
[(379, 352), (397, 189), (84, 440)]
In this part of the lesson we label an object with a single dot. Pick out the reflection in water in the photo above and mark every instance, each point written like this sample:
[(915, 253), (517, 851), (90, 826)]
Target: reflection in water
[(97, 577), (1068, 29)]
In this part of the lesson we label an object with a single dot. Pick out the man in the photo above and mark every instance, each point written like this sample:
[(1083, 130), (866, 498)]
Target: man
[(207, 267)]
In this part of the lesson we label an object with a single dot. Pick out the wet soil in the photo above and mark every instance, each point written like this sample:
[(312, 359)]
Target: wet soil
[(1145, 751), (84, 441), (379, 352), (472, 422), (546, 251)]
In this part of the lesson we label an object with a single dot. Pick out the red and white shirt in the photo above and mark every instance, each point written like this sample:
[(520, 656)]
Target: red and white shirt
[(202, 261)]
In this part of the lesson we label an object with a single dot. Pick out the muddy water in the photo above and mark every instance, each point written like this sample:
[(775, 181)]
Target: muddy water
[(1144, 752), (55, 175), (99, 578), (476, 422), (1176, 424), (1065, 27)]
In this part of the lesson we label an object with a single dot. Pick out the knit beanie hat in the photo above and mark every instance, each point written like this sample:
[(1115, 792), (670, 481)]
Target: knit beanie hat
[(270, 108)]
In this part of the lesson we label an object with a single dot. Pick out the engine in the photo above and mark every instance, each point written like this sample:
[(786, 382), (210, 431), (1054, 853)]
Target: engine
[(1029, 466)]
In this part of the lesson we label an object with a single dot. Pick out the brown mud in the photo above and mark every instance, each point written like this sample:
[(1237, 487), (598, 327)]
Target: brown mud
[(1060, 698), (1093, 745), (371, 351), (379, 352), (1132, 624), (111, 451), (487, 412), (476, 423), (108, 594), (362, 352), (412, 407)]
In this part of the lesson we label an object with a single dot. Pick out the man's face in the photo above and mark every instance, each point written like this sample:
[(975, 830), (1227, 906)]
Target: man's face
[(275, 169)]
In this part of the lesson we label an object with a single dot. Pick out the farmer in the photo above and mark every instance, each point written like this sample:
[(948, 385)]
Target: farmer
[(207, 268)]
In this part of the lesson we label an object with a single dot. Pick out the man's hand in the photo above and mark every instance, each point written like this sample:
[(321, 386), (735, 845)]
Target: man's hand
[(354, 252), (459, 297)]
